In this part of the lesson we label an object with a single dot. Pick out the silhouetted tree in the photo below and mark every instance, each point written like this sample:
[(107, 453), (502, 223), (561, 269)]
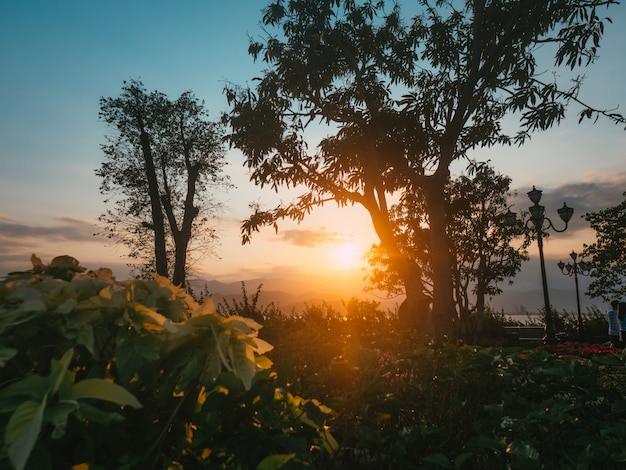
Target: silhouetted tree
[(481, 243), (158, 166), (608, 252), (401, 102)]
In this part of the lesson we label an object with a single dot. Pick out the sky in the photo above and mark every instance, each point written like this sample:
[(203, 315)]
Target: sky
[(58, 57)]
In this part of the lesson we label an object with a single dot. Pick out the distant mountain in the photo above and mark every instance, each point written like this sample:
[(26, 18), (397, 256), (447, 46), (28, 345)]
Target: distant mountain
[(286, 294), (290, 294)]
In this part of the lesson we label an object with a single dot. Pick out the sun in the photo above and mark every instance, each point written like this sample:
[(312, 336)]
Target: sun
[(347, 255)]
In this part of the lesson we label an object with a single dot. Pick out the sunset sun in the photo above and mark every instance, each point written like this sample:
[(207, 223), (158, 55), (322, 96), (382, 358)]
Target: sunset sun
[(347, 255)]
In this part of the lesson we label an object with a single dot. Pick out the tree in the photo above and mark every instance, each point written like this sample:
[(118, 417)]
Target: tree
[(157, 170), (401, 103), (608, 252), (481, 243)]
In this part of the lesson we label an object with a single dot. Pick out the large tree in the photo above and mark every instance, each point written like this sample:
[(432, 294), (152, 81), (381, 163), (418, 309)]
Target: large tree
[(159, 164), (482, 245), (400, 103), (608, 252)]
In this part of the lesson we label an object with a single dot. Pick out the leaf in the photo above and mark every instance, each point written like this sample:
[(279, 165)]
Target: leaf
[(33, 387), (96, 415), (262, 346), (263, 362), (314, 414), (206, 308), (57, 415), (275, 462), (133, 353), (58, 370), (6, 354), (438, 460), (66, 307), (150, 317), (242, 324), (242, 360), (22, 431), (104, 390)]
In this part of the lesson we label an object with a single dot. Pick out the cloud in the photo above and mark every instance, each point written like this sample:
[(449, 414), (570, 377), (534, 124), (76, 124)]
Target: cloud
[(68, 229), (64, 236), (593, 192), (311, 238)]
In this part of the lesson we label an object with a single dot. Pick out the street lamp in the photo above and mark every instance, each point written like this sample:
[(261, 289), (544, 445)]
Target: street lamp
[(583, 268), (541, 223)]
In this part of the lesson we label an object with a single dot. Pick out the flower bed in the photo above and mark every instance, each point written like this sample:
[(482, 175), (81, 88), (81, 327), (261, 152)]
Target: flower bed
[(580, 349)]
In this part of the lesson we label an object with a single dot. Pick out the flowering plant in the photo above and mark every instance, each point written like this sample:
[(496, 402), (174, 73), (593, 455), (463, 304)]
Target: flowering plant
[(580, 349)]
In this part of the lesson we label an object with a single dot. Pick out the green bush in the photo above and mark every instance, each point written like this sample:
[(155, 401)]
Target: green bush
[(96, 373), (402, 401)]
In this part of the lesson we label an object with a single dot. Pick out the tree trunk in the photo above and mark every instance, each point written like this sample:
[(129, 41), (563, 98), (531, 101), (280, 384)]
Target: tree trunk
[(444, 310), (182, 235), (414, 311), (158, 225)]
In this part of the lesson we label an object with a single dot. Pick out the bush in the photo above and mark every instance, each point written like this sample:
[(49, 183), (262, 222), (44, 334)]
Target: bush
[(136, 374)]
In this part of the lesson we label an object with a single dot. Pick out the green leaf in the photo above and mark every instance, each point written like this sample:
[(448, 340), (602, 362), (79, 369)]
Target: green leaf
[(523, 449), (609, 360), (133, 352), (6, 354), (96, 415), (57, 415), (22, 431), (33, 387), (275, 462), (58, 370), (104, 390), (313, 413), (438, 460)]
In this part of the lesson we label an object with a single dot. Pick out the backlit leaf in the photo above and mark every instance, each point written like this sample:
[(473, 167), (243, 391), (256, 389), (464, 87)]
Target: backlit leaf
[(104, 390)]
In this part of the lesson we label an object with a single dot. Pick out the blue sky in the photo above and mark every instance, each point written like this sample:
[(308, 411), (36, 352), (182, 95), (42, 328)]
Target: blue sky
[(57, 58)]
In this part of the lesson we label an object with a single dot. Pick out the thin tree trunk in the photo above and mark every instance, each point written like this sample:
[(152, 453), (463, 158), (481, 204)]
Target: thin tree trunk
[(158, 225)]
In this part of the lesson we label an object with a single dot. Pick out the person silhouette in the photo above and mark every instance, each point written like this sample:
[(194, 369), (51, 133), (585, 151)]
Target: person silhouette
[(614, 324)]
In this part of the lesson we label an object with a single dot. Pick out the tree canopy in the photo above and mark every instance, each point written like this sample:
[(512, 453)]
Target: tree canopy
[(400, 101), (159, 165), (608, 252)]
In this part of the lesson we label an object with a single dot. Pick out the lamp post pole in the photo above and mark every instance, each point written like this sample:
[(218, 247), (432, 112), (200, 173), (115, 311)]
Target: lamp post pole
[(541, 223), (583, 268)]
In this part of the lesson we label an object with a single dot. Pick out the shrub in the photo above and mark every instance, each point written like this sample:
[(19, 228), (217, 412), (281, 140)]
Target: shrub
[(136, 374)]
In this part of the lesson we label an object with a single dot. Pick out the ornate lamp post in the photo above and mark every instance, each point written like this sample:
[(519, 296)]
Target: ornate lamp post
[(542, 223), (583, 268)]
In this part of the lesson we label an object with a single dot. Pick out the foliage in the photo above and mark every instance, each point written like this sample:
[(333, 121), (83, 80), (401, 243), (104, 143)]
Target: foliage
[(401, 101), (247, 307), (135, 374), (608, 252), (481, 242), (160, 161), (403, 402)]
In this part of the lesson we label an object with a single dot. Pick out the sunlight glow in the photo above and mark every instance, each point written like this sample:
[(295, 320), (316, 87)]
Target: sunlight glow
[(347, 255)]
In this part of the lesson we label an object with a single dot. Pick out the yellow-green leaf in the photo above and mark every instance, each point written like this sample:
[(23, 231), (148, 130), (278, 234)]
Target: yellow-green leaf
[(275, 462), (22, 431), (104, 390), (58, 369)]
